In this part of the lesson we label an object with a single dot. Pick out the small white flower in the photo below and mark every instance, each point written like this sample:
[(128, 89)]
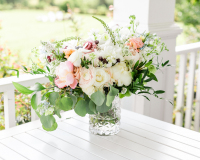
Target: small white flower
[(75, 57)]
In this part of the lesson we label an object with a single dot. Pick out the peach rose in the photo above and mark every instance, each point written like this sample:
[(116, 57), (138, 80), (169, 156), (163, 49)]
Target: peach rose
[(68, 52), (77, 72), (87, 77), (135, 43), (65, 76)]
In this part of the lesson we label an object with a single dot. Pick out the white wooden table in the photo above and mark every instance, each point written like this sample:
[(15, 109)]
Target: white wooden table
[(140, 138)]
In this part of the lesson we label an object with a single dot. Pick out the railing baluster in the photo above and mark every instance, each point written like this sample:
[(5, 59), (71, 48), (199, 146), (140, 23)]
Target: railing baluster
[(197, 108), (9, 108), (180, 89), (190, 92), (33, 114)]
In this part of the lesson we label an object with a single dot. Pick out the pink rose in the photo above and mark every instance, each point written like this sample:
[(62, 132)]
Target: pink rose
[(65, 76), (87, 77), (135, 43), (90, 45)]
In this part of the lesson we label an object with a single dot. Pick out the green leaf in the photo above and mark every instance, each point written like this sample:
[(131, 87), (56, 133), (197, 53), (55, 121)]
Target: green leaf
[(57, 112), (46, 95), (92, 106), (136, 64), (153, 77), (50, 78), (34, 101), (148, 80), (41, 70), (148, 64), (67, 104), (22, 89), (127, 94), (54, 127), (48, 69), (53, 96), (24, 68), (103, 108), (15, 71), (47, 121), (80, 108), (113, 91), (37, 87), (159, 92), (74, 99), (144, 92), (165, 63), (145, 74), (98, 98), (147, 98), (109, 100)]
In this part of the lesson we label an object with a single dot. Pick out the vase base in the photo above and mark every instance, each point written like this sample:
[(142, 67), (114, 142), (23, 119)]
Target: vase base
[(105, 130)]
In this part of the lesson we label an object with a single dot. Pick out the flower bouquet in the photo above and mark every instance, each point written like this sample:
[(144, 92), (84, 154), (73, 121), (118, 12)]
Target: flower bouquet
[(91, 75)]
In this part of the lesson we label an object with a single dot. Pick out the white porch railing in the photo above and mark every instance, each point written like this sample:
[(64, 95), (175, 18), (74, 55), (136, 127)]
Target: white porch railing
[(188, 74), (8, 89)]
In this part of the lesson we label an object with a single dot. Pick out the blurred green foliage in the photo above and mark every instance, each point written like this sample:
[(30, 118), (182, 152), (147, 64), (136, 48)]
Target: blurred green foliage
[(82, 6), (188, 13)]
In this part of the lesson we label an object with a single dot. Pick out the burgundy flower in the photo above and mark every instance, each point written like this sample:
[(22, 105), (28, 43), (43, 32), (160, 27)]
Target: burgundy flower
[(90, 45), (49, 58)]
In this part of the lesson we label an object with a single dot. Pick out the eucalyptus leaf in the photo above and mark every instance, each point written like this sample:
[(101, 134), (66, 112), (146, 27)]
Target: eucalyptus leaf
[(92, 106), (47, 121), (57, 112), (34, 101), (103, 108), (67, 103), (53, 96), (74, 99), (80, 108), (54, 127), (109, 100), (98, 98), (22, 89), (113, 91), (37, 87)]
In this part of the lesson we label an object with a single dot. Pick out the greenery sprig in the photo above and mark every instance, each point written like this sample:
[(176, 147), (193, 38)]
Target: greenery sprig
[(107, 29)]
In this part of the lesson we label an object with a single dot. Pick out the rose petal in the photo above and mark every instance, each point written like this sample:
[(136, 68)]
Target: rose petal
[(69, 78), (73, 85)]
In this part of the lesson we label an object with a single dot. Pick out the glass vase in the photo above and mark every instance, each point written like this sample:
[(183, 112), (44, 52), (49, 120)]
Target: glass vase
[(107, 123)]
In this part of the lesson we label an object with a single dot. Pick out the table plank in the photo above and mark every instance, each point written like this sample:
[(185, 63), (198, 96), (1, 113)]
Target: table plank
[(82, 123), (8, 154), (124, 142), (162, 125), (32, 125), (159, 139), (63, 145), (97, 140), (160, 132), (23, 149), (85, 145), (43, 147)]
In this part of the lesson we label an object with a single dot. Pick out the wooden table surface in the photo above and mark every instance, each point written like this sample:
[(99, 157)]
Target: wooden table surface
[(140, 138)]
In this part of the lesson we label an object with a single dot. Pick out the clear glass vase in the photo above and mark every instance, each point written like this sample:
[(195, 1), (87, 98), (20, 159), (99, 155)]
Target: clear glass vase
[(108, 123)]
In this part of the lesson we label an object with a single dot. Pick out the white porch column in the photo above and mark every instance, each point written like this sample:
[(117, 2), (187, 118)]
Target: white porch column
[(156, 16)]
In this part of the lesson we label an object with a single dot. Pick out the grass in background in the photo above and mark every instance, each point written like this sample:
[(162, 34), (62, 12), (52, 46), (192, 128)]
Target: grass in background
[(21, 31)]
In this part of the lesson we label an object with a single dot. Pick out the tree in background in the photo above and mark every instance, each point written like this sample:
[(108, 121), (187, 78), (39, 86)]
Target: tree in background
[(188, 13)]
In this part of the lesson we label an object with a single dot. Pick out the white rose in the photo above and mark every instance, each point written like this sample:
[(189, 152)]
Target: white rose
[(89, 90), (121, 74), (75, 58), (101, 78)]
